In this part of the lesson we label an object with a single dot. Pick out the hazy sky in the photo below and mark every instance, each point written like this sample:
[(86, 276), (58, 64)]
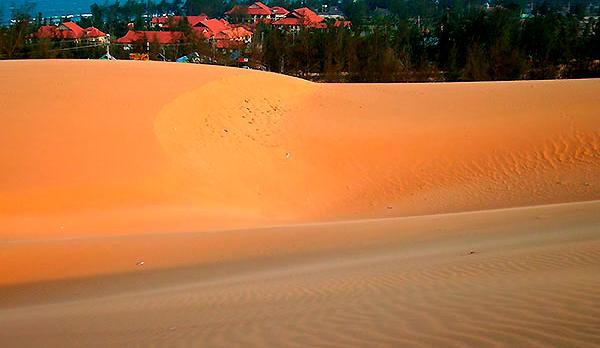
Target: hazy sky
[(50, 7)]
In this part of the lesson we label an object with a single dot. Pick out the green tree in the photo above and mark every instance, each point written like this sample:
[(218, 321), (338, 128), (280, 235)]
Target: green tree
[(212, 8), (476, 67), (14, 38)]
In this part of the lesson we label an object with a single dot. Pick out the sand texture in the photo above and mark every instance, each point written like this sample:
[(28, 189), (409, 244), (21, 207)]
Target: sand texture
[(165, 204)]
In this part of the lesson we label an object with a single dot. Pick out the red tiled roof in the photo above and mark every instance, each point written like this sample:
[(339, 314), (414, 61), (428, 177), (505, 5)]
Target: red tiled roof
[(256, 9), (248, 26), (289, 21), (302, 17), (92, 32), (74, 31), (46, 32), (309, 14), (236, 33), (131, 37), (214, 25), (280, 10), (162, 37), (344, 24), (67, 30), (174, 21), (204, 32)]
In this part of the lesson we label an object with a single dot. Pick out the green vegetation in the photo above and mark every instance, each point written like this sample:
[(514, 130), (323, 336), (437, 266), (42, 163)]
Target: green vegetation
[(452, 41), (390, 40)]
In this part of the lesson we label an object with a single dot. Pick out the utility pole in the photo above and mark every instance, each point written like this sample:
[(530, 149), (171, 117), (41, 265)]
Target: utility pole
[(108, 55)]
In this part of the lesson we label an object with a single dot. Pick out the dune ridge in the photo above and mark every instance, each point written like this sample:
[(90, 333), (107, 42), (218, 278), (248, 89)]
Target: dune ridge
[(215, 148)]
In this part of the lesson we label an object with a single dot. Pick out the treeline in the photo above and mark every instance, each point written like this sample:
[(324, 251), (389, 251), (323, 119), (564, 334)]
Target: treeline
[(390, 40), (459, 42)]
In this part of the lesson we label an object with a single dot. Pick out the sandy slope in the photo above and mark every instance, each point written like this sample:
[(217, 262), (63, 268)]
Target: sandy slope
[(106, 164), (531, 281), (92, 147)]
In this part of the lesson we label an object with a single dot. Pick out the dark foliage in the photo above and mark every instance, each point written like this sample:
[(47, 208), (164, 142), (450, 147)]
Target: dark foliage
[(390, 40)]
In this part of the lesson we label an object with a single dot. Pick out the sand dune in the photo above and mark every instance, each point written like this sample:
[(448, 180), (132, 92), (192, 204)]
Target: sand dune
[(271, 211), (516, 277), (123, 148)]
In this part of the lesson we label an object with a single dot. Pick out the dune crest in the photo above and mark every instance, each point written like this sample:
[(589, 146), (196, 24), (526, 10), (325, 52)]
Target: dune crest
[(211, 148)]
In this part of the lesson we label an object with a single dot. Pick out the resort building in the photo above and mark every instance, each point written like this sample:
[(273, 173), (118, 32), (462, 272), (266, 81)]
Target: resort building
[(299, 18), (219, 32), (254, 13), (70, 31)]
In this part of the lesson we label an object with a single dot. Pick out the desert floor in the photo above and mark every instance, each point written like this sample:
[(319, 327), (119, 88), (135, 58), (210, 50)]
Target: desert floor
[(166, 204)]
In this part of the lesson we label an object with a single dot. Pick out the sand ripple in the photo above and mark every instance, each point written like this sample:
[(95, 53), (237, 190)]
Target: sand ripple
[(497, 287)]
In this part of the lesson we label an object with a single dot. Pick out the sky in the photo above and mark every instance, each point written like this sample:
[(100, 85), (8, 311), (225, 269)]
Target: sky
[(49, 7)]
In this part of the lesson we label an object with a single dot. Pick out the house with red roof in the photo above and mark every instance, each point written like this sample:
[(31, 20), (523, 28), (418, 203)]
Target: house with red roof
[(299, 18), (70, 31), (222, 33), (219, 32), (160, 37), (280, 12), (233, 37), (95, 34), (166, 22), (210, 27), (255, 13)]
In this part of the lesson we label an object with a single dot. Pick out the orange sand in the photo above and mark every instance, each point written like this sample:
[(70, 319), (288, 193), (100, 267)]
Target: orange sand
[(96, 148), (525, 277), (271, 211)]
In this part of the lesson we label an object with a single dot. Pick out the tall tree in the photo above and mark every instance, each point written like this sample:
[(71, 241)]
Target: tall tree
[(212, 8)]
